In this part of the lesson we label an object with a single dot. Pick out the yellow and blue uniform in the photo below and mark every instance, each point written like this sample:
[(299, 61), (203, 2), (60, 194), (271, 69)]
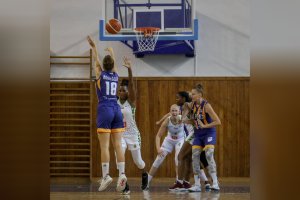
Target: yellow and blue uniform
[(109, 115), (204, 137)]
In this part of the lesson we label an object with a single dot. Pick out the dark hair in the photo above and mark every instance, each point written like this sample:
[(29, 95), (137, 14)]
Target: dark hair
[(124, 82), (185, 95), (199, 88), (108, 63)]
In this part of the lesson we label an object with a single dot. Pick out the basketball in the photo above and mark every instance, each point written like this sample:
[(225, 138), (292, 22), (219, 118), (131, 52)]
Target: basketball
[(113, 26)]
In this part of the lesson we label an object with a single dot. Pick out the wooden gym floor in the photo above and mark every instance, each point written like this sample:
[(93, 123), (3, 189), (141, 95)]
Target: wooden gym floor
[(78, 188)]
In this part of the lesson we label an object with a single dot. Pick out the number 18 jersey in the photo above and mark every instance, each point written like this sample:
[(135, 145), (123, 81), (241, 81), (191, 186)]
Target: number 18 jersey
[(107, 87), (109, 115)]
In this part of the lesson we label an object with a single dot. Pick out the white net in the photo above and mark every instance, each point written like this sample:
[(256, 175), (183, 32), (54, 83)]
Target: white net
[(147, 41)]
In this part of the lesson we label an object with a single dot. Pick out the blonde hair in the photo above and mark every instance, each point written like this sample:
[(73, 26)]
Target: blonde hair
[(174, 105)]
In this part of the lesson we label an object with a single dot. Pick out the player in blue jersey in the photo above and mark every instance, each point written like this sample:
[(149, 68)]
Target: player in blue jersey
[(205, 120), (109, 117)]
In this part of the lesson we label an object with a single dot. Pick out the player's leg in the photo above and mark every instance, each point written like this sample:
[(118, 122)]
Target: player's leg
[(203, 176), (124, 147), (209, 149), (104, 131), (183, 154), (196, 151), (135, 149), (188, 169), (156, 164), (210, 141), (167, 147), (139, 162), (117, 133), (104, 146), (177, 150)]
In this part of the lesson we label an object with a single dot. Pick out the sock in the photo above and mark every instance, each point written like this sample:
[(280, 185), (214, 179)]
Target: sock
[(197, 179), (149, 178), (202, 175), (105, 169), (121, 167), (180, 181), (214, 178)]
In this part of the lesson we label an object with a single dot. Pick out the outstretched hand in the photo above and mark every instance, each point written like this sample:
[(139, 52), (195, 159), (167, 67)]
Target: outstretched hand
[(126, 62), (91, 41)]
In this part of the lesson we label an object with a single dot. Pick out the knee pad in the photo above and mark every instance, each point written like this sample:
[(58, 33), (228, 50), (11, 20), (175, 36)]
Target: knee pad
[(137, 158), (158, 161), (139, 163), (209, 153)]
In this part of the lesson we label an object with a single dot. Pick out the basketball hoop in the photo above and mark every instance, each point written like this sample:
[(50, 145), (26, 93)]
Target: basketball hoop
[(146, 38)]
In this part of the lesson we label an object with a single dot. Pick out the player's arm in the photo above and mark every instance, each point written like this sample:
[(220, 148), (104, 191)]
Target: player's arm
[(98, 69), (215, 119), (131, 86), (161, 131), (112, 54), (186, 108), (163, 118)]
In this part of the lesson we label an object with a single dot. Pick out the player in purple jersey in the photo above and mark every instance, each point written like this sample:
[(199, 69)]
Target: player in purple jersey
[(109, 117), (205, 120)]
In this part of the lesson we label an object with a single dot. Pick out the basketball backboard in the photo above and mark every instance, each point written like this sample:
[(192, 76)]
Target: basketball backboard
[(175, 18)]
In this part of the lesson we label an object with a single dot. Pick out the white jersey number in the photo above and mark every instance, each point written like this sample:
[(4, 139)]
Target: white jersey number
[(111, 88)]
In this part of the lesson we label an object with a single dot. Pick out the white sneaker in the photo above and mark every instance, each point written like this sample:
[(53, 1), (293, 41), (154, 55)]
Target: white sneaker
[(215, 186), (195, 188), (121, 184), (104, 183)]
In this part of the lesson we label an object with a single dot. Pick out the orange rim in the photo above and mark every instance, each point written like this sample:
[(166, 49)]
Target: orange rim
[(148, 31)]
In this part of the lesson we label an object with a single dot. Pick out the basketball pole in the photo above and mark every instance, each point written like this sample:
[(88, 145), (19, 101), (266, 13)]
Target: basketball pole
[(195, 45), (103, 10)]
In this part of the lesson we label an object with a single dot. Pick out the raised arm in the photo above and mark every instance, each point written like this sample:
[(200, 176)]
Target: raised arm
[(161, 131), (98, 69), (131, 86), (163, 118), (112, 54)]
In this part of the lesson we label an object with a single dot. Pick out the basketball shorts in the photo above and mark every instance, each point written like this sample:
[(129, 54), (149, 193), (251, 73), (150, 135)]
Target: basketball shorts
[(131, 142), (168, 145), (109, 118), (203, 140)]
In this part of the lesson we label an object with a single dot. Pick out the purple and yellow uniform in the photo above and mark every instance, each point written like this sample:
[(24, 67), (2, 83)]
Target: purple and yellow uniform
[(109, 115), (204, 137)]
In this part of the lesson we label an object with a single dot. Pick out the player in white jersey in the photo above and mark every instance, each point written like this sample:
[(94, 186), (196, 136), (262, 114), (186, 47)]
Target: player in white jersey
[(174, 139), (131, 137)]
